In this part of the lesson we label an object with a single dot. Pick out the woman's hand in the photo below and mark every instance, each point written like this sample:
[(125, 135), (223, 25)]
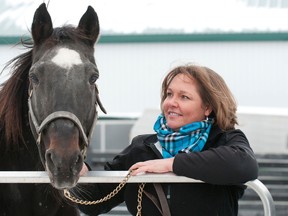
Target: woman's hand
[(153, 166), (84, 170)]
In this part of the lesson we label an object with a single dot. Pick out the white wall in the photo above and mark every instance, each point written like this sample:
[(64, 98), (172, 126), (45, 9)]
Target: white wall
[(131, 74)]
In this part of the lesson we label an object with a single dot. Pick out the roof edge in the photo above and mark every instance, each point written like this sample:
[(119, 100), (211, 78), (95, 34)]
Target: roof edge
[(174, 38)]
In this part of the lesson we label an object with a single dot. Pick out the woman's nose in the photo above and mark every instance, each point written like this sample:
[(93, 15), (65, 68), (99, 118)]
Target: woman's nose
[(173, 101)]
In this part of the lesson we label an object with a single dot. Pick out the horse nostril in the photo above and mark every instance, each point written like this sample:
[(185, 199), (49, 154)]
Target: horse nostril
[(51, 165), (76, 167), (49, 158)]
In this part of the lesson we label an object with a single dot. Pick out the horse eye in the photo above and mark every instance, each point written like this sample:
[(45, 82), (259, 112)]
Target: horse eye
[(93, 79), (33, 78)]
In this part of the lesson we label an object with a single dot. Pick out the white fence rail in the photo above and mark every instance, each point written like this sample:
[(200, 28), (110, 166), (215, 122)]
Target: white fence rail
[(117, 176)]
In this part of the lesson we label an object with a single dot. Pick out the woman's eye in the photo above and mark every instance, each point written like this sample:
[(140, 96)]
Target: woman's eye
[(169, 94), (33, 78), (93, 79), (185, 97)]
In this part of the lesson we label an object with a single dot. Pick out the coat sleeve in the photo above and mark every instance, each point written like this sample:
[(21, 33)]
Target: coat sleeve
[(232, 162)]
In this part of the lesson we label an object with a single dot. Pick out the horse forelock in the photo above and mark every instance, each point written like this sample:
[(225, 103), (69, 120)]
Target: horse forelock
[(65, 36), (68, 32)]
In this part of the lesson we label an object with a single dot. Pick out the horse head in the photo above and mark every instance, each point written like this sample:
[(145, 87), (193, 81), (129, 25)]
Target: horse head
[(62, 93)]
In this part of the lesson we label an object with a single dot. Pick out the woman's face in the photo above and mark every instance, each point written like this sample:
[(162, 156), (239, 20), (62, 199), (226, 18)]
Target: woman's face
[(183, 104)]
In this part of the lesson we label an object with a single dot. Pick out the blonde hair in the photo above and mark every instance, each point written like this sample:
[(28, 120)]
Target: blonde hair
[(213, 91)]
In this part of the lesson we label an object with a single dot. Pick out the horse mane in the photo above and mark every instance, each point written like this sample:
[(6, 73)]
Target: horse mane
[(14, 94), (14, 91)]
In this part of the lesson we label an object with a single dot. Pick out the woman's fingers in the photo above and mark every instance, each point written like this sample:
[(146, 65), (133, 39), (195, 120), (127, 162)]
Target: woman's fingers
[(153, 166), (84, 170)]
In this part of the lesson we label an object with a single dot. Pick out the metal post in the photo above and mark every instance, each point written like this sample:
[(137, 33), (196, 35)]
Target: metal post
[(265, 196)]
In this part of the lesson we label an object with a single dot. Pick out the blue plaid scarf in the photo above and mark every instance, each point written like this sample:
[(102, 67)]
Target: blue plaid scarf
[(190, 138)]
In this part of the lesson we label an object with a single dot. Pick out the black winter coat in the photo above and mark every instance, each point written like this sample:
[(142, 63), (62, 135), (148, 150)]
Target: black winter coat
[(225, 163)]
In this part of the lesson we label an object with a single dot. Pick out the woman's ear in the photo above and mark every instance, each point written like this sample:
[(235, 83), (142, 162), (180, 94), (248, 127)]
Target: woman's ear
[(208, 110)]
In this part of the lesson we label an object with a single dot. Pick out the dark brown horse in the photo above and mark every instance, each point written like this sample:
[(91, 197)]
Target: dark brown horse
[(47, 114)]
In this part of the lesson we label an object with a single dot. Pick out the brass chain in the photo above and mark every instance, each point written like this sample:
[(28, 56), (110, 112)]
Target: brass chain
[(72, 198), (139, 198)]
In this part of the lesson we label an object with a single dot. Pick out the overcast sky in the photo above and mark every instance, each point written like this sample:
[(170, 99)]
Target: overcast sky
[(138, 16)]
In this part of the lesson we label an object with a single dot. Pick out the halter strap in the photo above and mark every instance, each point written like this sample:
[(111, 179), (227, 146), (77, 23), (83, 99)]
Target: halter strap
[(57, 115)]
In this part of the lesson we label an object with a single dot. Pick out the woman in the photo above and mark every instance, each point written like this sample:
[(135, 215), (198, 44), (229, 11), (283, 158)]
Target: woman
[(195, 137)]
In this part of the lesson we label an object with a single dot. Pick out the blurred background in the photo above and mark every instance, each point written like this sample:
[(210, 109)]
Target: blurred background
[(245, 41)]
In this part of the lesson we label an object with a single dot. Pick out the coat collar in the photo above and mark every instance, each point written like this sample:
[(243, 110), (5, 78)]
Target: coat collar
[(214, 135), (150, 141)]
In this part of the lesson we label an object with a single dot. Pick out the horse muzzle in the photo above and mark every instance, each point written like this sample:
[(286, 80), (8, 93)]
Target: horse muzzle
[(63, 157), (62, 174)]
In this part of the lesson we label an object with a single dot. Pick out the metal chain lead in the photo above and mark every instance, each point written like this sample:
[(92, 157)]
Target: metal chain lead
[(139, 199), (68, 195)]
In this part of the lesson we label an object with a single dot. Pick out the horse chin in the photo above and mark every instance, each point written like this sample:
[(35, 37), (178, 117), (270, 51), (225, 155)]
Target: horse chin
[(63, 180), (62, 184)]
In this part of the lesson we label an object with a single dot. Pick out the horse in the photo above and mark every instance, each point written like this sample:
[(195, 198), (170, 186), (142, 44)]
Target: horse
[(48, 109)]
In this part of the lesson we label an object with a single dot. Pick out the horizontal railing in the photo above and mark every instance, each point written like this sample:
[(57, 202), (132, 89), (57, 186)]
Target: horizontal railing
[(118, 176)]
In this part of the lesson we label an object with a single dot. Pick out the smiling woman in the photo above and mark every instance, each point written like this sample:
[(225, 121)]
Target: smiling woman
[(195, 137)]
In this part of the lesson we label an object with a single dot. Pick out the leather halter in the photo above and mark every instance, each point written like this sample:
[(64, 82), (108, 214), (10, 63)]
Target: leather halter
[(60, 114)]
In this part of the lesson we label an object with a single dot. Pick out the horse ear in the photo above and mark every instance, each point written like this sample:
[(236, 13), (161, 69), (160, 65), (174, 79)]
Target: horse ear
[(42, 26), (89, 25)]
